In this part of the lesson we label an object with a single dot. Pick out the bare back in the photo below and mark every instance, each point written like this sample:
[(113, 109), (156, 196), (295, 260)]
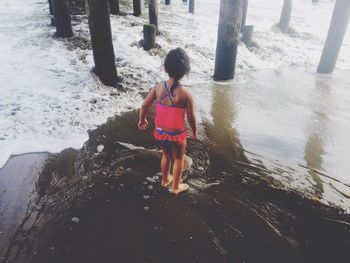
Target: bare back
[(179, 98)]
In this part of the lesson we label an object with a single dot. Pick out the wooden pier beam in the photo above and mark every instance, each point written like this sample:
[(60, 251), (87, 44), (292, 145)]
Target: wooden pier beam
[(51, 7), (153, 13), (285, 16), (244, 15), (101, 41), (191, 7), (62, 19), (228, 36), (114, 7), (336, 32), (137, 7), (149, 36), (247, 34)]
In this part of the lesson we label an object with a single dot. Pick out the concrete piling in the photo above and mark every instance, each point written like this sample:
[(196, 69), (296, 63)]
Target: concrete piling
[(62, 19), (101, 41), (137, 7), (336, 32), (244, 15), (114, 7), (51, 7), (247, 34), (149, 36), (285, 16), (191, 7), (153, 13), (228, 36)]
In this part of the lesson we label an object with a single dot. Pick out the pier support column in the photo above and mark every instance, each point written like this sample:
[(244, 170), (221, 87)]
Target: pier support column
[(114, 7), (153, 13), (149, 36), (244, 15), (228, 36), (101, 41), (191, 7), (247, 34), (62, 19), (51, 7), (285, 16), (137, 7), (52, 12), (336, 32)]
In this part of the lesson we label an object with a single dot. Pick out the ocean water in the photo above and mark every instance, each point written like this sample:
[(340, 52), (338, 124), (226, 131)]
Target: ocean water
[(50, 98)]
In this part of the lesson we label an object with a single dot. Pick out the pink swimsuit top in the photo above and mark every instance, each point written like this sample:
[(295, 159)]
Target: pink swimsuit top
[(169, 117)]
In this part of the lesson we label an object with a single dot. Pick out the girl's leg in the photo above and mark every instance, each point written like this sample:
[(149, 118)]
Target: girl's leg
[(178, 151), (165, 166)]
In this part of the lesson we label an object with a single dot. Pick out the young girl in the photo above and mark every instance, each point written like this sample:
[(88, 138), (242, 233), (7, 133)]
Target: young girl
[(173, 100)]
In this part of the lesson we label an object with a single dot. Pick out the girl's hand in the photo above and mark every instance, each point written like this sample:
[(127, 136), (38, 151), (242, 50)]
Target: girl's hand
[(143, 124)]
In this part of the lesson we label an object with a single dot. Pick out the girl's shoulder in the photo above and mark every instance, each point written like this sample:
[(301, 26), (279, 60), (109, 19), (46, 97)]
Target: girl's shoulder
[(158, 87), (185, 90), (159, 84)]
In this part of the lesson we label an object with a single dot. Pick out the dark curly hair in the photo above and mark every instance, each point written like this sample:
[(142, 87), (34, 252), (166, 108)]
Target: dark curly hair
[(177, 65)]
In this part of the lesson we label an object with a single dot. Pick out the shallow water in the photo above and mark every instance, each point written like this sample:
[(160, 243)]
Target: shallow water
[(291, 121)]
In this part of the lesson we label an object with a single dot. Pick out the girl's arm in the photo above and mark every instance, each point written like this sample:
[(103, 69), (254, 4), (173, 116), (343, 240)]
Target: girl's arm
[(143, 123), (191, 117)]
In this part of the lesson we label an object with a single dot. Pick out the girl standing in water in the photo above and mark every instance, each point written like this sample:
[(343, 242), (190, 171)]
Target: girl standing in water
[(173, 101)]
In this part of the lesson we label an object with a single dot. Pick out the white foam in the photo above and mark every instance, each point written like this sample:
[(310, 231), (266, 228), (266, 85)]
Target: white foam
[(49, 99)]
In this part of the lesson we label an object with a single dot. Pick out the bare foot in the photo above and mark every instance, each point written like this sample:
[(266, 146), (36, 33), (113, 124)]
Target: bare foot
[(167, 182), (181, 188)]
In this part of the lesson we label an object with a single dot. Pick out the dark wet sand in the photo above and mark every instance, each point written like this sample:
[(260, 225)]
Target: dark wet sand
[(17, 182), (230, 214)]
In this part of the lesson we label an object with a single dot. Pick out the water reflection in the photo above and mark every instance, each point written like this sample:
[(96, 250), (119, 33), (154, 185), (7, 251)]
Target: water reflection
[(313, 157), (223, 137), (317, 132)]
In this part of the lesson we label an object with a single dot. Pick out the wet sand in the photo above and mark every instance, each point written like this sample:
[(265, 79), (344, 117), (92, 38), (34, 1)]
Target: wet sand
[(90, 206), (17, 190)]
